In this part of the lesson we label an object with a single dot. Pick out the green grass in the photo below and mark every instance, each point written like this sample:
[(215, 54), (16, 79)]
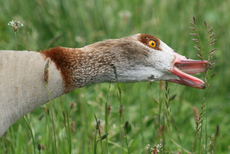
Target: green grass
[(152, 118)]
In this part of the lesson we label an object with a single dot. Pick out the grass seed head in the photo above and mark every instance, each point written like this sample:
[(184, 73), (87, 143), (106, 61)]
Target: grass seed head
[(194, 34), (192, 28), (212, 42), (213, 75), (44, 108), (210, 30), (196, 40), (213, 51), (205, 23), (194, 20), (211, 35), (126, 125), (199, 55), (192, 23), (72, 126), (72, 104), (195, 114), (104, 136), (109, 109), (121, 109), (98, 124), (39, 147), (197, 47), (43, 147), (171, 98), (41, 116)]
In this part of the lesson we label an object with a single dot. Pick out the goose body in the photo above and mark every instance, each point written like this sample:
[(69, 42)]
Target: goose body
[(137, 58)]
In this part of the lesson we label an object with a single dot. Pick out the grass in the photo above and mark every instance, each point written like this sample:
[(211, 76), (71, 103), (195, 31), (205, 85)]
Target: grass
[(78, 23)]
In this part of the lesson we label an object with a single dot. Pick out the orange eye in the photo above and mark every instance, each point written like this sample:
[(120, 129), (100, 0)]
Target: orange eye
[(152, 43)]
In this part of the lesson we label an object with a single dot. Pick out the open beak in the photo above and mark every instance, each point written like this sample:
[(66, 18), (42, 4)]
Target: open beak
[(182, 67)]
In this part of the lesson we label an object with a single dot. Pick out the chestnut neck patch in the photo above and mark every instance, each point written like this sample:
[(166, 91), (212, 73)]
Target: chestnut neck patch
[(79, 68), (65, 59)]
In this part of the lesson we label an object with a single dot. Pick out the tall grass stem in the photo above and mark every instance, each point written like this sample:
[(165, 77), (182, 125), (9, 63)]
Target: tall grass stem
[(31, 133), (52, 116)]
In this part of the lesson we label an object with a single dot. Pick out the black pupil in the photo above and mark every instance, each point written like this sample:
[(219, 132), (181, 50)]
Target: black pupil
[(153, 43)]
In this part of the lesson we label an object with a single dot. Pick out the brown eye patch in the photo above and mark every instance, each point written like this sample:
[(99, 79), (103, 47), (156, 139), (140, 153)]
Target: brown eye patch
[(150, 41)]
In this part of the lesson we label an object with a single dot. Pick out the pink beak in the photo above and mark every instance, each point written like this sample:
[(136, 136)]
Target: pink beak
[(182, 67)]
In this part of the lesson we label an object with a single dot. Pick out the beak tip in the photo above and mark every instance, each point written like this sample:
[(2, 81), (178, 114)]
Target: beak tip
[(203, 86)]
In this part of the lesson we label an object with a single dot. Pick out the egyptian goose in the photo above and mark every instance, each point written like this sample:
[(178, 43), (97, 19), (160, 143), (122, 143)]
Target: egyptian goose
[(137, 58)]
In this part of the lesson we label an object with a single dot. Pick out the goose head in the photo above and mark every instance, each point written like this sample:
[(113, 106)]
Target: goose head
[(143, 57)]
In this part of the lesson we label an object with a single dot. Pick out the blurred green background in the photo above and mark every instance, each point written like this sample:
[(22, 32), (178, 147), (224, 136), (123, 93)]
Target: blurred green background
[(76, 23)]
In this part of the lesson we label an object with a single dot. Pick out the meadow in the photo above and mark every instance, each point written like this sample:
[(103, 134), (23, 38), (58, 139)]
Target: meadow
[(124, 117)]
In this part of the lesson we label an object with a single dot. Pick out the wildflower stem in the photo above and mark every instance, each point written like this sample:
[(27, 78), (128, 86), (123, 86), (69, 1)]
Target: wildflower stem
[(31, 132), (15, 36), (15, 24), (106, 119), (52, 116), (98, 129), (121, 108), (178, 145), (168, 112), (69, 133), (28, 40), (142, 123), (155, 13), (159, 114), (106, 125), (126, 140), (95, 143)]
